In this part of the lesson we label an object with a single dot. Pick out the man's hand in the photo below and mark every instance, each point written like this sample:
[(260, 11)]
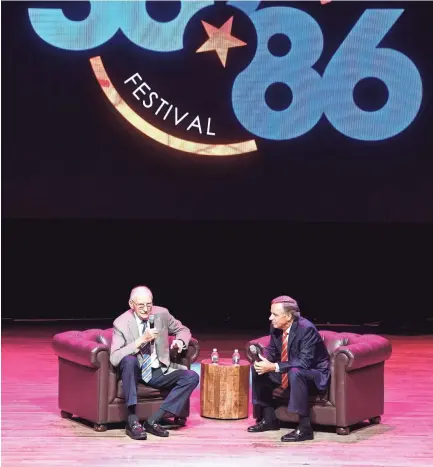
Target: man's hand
[(265, 366), (177, 343), (148, 336)]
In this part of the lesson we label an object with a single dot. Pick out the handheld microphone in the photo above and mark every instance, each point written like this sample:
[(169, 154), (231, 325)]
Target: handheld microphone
[(151, 321), (255, 351)]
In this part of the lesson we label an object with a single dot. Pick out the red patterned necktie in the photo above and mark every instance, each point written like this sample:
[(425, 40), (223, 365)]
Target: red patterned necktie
[(284, 376)]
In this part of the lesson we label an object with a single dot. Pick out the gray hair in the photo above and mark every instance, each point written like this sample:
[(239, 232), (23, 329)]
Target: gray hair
[(290, 306), (137, 291)]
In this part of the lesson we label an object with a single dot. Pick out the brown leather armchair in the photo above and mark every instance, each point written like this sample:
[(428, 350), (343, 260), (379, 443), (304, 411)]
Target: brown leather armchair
[(356, 388), (89, 386)]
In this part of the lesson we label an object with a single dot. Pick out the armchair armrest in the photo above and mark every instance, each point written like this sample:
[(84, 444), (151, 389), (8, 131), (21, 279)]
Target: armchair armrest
[(76, 347), (193, 350), (369, 350), (187, 356)]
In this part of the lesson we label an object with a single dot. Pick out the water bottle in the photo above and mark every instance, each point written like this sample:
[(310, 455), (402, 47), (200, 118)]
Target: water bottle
[(214, 356), (236, 358)]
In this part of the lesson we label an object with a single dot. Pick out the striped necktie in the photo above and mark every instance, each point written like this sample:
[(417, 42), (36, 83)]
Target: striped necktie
[(284, 358), (146, 368)]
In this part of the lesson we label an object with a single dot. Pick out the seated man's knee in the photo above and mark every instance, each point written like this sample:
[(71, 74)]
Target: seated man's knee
[(295, 373), (130, 361), (193, 377)]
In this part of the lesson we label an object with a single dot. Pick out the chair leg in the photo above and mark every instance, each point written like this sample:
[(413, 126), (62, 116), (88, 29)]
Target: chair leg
[(375, 420), (65, 414), (343, 430), (99, 427)]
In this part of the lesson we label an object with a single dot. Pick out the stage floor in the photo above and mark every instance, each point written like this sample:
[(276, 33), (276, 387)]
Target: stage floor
[(34, 433)]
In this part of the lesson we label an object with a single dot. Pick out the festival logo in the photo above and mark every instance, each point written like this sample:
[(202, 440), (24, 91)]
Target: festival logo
[(216, 78)]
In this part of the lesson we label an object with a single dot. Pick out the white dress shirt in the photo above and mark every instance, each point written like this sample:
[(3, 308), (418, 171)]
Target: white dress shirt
[(277, 368), (154, 359)]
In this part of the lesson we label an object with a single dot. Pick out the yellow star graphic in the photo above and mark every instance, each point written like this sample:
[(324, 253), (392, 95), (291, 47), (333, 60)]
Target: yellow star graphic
[(220, 40)]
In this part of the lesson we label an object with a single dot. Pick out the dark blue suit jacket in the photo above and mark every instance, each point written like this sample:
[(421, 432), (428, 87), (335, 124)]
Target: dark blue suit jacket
[(306, 350)]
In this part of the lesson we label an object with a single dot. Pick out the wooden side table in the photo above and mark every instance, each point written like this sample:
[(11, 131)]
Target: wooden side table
[(224, 389)]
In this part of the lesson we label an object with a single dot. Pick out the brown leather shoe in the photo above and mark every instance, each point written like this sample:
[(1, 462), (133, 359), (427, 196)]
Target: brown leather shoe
[(299, 434), (263, 426), (136, 431)]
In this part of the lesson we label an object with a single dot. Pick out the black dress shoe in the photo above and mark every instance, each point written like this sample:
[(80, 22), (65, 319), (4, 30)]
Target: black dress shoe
[(263, 426), (136, 431), (177, 422), (155, 429), (300, 434)]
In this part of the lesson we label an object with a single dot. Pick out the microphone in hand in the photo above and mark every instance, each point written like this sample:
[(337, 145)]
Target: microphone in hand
[(152, 330), (255, 353)]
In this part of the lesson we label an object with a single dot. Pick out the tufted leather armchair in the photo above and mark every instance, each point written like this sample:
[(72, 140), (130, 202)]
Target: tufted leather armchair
[(89, 386), (356, 388)]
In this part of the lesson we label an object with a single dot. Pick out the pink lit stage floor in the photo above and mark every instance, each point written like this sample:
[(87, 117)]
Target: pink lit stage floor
[(34, 433)]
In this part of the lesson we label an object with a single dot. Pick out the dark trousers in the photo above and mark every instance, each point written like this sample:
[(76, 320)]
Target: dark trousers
[(301, 384), (181, 382)]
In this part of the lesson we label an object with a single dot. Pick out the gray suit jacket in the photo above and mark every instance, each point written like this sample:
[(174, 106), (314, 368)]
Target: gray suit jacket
[(125, 332)]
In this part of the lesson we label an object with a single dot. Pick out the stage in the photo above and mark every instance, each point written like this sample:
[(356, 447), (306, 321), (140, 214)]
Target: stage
[(34, 433)]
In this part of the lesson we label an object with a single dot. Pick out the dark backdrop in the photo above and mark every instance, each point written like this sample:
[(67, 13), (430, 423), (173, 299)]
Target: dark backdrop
[(219, 275), (91, 208)]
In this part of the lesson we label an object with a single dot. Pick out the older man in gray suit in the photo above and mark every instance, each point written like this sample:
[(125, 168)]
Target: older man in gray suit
[(142, 352)]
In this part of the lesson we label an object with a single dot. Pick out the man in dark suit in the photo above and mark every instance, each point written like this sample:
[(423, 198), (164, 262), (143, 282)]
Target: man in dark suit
[(142, 353), (297, 361)]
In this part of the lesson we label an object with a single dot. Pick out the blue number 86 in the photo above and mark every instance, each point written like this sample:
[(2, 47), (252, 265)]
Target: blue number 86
[(358, 57)]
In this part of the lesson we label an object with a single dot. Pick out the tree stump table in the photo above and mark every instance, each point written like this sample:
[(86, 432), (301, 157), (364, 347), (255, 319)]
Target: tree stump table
[(224, 389)]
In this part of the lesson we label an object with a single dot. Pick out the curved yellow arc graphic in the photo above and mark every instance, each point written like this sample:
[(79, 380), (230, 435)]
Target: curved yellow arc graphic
[(158, 135)]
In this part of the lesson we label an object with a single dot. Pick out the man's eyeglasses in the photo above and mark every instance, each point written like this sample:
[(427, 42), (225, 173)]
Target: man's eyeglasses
[(142, 305)]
